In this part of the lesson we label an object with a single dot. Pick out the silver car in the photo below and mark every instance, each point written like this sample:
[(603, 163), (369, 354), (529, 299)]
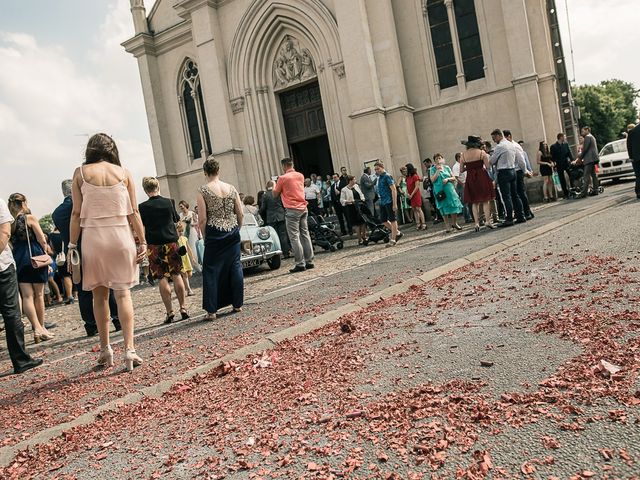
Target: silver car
[(614, 161), (259, 244)]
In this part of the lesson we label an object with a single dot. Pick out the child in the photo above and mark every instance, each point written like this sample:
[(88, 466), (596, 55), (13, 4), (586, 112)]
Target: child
[(187, 257)]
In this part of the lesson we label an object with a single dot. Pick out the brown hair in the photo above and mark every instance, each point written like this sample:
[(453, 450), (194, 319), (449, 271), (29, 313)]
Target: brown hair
[(248, 200), (184, 203), (211, 166), (379, 164), (438, 155), (101, 148), (15, 203), (286, 162)]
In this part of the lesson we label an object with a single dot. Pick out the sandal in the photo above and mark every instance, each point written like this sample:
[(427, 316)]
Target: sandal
[(183, 313), (169, 318), (210, 317)]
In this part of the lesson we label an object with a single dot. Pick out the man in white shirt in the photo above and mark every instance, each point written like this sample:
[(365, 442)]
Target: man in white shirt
[(522, 171), (504, 160), (461, 179), (9, 303), (312, 196)]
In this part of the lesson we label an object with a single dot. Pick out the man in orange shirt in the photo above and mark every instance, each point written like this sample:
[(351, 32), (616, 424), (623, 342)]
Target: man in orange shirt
[(290, 187)]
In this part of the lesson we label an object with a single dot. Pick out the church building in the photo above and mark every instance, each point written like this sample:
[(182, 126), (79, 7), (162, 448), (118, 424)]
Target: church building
[(335, 83)]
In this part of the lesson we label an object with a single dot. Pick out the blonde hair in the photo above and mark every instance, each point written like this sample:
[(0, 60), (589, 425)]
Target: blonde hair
[(150, 184)]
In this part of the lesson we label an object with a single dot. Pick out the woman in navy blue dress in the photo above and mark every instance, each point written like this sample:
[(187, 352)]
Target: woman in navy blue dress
[(221, 215), (31, 281)]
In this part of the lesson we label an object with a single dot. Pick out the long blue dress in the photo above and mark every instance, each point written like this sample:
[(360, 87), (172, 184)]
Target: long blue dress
[(451, 204), (222, 277)]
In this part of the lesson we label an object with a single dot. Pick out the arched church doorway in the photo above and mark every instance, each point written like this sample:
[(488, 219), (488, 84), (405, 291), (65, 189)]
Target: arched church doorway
[(306, 130)]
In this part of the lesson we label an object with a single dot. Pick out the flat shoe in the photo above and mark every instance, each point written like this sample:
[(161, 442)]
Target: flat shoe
[(297, 268)]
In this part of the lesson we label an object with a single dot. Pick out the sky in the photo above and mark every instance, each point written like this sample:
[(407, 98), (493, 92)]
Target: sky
[(64, 76)]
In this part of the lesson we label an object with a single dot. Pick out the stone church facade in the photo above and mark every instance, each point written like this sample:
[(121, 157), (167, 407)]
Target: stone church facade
[(335, 83)]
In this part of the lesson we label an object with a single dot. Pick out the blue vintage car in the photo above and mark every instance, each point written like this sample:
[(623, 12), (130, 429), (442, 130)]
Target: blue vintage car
[(259, 244)]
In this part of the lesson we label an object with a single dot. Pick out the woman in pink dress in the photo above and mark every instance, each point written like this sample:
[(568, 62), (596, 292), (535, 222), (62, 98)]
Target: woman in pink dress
[(104, 209)]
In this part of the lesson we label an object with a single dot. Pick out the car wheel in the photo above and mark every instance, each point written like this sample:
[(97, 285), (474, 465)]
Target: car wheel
[(275, 262), (386, 239), (333, 248)]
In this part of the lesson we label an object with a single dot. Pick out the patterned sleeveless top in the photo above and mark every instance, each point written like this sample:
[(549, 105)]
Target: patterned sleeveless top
[(221, 211)]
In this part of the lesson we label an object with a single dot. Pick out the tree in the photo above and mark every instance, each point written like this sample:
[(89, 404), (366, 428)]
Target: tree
[(46, 223), (607, 108)]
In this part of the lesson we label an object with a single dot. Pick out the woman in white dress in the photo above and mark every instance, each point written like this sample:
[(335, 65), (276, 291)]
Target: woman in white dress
[(192, 232)]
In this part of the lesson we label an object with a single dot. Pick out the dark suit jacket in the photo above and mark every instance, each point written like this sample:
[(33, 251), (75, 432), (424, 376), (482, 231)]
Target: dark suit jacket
[(589, 153), (62, 218), (561, 153), (271, 208), (633, 144)]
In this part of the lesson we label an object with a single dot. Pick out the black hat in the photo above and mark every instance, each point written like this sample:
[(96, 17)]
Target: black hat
[(473, 141)]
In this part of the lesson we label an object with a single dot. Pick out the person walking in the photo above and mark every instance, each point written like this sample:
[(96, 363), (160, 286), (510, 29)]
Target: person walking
[(103, 212), (633, 148), (589, 158), (561, 156), (191, 229), (415, 196), (10, 301), (504, 161), (159, 218), (29, 241), (62, 219), (351, 197), (272, 211), (444, 186), (545, 161), (290, 187), (388, 194), (221, 216), (368, 187), (478, 187)]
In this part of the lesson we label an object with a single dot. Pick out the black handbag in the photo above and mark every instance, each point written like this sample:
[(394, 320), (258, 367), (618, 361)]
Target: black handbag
[(182, 250), (441, 195)]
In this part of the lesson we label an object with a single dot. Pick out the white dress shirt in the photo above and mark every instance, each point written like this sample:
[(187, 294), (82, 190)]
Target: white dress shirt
[(346, 194), (6, 257), (462, 177), (311, 192), (504, 156)]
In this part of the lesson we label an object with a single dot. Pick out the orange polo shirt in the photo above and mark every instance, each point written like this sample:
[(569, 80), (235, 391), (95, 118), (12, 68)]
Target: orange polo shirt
[(290, 186)]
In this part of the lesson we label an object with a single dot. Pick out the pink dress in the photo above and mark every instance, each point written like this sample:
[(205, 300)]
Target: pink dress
[(108, 247)]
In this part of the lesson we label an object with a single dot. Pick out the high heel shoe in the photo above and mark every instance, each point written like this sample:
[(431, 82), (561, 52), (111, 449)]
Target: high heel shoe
[(457, 227), (131, 360), (106, 357), (169, 318), (477, 228), (183, 313), (42, 337)]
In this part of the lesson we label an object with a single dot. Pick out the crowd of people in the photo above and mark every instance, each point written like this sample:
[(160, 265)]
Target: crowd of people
[(103, 237)]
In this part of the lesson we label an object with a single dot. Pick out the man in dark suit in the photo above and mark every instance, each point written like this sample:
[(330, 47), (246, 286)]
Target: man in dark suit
[(633, 147), (562, 157), (272, 211), (589, 158), (337, 206), (62, 219)]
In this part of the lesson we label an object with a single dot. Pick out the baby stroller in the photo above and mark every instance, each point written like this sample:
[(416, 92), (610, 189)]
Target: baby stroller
[(323, 233), (576, 176), (377, 232)]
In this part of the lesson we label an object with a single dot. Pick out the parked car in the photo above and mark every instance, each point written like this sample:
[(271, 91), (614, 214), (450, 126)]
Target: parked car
[(614, 161), (259, 244)]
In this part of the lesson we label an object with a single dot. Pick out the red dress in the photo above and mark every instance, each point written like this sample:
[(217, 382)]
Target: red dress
[(478, 187), (416, 200)]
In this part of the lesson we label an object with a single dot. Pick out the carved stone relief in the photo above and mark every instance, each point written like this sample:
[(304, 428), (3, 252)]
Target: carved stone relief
[(237, 104), (292, 64)]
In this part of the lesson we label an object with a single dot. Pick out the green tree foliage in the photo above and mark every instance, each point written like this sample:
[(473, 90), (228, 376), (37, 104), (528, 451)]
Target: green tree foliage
[(607, 108), (46, 223)]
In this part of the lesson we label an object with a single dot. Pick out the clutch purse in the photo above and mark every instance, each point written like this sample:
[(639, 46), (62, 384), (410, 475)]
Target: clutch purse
[(37, 261), (74, 263)]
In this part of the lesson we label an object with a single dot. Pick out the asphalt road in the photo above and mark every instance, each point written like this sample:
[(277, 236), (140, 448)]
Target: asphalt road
[(68, 386)]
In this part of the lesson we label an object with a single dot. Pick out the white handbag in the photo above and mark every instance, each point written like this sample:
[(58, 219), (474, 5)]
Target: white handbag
[(61, 258)]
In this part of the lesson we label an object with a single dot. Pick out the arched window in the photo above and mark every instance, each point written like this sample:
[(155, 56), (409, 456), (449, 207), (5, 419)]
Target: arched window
[(194, 117)]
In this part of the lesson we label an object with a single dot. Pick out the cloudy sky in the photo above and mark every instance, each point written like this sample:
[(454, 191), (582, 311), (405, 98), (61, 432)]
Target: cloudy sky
[(64, 75)]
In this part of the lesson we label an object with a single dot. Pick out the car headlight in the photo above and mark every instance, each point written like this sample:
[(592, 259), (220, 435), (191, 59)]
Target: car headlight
[(264, 233), (257, 249), (246, 247)]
